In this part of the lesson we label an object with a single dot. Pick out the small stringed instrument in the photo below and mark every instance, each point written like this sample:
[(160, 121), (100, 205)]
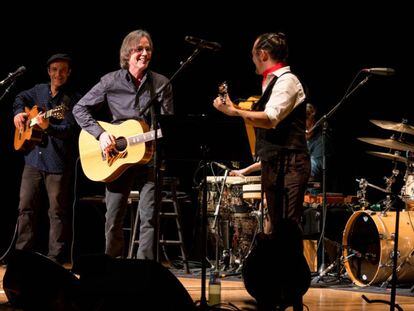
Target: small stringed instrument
[(133, 145), (31, 134), (244, 105)]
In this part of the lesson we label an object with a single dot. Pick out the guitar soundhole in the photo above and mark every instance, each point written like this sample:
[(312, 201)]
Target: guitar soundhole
[(121, 144)]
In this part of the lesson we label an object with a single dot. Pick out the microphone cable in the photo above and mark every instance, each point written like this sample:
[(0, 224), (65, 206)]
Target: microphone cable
[(6, 253)]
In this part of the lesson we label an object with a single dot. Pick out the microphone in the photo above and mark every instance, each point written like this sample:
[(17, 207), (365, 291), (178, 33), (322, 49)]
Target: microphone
[(13, 75), (380, 71), (224, 167), (203, 44)]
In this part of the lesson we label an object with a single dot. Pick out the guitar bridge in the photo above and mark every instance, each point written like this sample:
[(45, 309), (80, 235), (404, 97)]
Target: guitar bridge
[(115, 155)]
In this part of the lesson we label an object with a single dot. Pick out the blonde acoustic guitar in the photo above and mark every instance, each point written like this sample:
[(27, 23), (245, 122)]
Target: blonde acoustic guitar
[(133, 146)]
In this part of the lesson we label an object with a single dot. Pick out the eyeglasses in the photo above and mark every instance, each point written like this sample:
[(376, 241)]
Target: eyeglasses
[(140, 49)]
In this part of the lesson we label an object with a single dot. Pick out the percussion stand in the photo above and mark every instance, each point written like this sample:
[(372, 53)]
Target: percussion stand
[(323, 121), (217, 216)]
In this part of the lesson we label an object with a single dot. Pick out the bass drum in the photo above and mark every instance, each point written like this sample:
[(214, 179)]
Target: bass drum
[(368, 244)]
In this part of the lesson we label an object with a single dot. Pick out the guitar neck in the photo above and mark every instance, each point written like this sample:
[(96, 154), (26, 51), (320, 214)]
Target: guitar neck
[(47, 115), (144, 137)]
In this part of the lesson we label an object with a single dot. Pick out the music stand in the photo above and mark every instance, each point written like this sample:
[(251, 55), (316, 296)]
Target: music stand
[(203, 138)]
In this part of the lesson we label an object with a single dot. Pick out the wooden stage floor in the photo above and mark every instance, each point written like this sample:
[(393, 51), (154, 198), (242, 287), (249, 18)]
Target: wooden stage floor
[(321, 299)]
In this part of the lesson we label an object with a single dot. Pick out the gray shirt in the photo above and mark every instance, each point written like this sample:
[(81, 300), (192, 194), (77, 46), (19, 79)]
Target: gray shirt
[(124, 99)]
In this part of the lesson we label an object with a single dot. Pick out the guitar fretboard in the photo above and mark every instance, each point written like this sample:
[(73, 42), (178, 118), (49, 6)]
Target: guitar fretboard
[(144, 137)]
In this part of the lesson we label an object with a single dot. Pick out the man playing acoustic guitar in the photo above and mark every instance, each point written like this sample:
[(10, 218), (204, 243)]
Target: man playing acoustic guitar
[(126, 92), (49, 159), (279, 118)]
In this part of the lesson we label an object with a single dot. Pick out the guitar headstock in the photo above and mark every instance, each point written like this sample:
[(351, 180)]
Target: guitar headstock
[(59, 112), (223, 91)]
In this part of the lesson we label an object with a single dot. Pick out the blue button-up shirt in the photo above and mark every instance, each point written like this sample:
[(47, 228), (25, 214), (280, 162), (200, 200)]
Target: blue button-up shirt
[(57, 148)]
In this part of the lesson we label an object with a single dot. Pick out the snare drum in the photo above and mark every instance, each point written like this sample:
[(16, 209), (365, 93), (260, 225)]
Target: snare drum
[(368, 244)]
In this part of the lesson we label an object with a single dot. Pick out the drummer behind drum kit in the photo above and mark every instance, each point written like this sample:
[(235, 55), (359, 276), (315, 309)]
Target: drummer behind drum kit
[(368, 239)]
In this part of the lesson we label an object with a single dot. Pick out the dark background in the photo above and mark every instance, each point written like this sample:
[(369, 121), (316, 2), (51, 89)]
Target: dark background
[(328, 47)]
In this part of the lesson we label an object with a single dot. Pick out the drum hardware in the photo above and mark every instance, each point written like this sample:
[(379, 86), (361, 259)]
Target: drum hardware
[(338, 262), (389, 181), (388, 203), (362, 193), (363, 184), (380, 259), (216, 217), (368, 235), (369, 276)]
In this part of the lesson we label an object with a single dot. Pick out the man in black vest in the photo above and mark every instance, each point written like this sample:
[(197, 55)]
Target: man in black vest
[(279, 118)]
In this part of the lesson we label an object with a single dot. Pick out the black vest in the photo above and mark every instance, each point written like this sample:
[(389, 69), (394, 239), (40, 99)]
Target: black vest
[(289, 134)]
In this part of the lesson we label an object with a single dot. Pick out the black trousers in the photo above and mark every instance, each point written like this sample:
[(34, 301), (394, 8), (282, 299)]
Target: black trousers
[(57, 187), (284, 181)]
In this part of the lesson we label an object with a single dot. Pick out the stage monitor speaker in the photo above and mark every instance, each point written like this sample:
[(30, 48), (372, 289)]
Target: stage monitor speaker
[(34, 282), (130, 284)]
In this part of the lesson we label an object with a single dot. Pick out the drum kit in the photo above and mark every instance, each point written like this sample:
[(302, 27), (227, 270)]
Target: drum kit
[(233, 210), (369, 236)]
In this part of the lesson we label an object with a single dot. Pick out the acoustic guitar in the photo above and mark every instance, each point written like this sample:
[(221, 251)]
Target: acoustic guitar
[(31, 134), (243, 105), (133, 145)]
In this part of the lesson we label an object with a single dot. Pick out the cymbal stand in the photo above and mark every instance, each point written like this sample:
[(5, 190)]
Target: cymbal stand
[(389, 181), (362, 193)]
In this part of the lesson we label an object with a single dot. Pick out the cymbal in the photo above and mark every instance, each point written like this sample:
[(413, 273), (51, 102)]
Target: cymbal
[(388, 143), (394, 126), (389, 156)]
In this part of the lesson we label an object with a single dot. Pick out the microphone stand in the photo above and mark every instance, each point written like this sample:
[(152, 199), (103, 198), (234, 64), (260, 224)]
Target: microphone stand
[(7, 90), (154, 121), (216, 217), (324, 122)]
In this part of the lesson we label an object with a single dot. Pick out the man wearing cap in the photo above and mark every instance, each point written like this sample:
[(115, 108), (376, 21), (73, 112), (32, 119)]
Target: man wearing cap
[(48, 164)]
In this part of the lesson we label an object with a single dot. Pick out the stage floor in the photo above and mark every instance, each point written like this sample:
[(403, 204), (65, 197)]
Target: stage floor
[(321, 299)]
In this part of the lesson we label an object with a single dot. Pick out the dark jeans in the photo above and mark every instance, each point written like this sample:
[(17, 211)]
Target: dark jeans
[(57, 188), (117, 193), (284, 181)]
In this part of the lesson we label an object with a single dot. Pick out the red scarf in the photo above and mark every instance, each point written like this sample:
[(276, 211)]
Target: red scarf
[(271, 69)]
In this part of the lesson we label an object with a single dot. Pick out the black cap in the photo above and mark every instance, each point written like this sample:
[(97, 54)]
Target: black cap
[(59, 56)]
